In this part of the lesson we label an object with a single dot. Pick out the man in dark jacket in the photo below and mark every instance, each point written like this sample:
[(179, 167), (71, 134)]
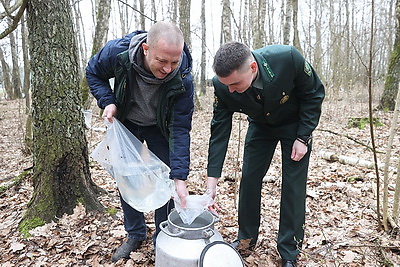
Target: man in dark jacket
[(153, 98), (282, 96)]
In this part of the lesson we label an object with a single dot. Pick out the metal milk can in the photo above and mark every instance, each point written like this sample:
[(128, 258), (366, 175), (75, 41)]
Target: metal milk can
[(180, 245)]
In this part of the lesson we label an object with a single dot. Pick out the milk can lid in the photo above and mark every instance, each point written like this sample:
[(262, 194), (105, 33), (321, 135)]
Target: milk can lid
[(219, 253)]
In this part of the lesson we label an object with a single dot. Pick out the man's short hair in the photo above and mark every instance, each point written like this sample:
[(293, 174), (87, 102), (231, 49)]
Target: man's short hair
[(230, 57), (165, 30)]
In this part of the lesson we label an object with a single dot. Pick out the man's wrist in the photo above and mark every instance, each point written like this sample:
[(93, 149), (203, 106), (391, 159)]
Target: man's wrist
[(305, 139)]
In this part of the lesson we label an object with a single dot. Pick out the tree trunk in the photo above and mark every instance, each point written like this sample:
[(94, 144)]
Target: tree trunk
[(28, 141), (317, 62), (392, 132), (259, 29), (287, 25), (80, 32), (27, 66), (296, 39), (226, 33), (61, 176), (173, 11), (9, 94), (16, 77), (184, 21), (100, 38), (387, 100), (142, 18), (203, 48), (154, 10)]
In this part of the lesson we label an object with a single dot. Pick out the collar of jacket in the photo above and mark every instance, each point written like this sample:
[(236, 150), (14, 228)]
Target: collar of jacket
[(125, 79)]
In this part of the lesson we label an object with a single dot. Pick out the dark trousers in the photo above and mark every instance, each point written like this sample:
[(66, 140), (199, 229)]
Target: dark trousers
[(260, 145), (134, 221)]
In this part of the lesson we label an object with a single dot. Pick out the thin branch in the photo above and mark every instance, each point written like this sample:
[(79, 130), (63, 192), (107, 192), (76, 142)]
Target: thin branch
[(141, 13), (9, 10), (349, 137), (15, 20)]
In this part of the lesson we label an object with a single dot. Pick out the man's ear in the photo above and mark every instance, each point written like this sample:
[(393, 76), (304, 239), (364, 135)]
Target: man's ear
[(145, 47), (253, 66)]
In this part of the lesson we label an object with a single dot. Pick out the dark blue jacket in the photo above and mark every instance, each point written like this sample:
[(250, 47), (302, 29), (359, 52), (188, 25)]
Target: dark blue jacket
[(175, 105)]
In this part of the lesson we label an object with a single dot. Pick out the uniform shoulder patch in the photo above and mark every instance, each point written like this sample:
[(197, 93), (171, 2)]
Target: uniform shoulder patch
[(307, 69), (268, 70)]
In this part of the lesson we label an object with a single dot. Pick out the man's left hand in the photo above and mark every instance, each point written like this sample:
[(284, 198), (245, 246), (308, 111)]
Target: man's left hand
[(298, 150), (181, 190)]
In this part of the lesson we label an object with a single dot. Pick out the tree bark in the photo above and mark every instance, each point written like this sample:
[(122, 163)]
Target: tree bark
[(287, 24), (296, 39), (16, 77), (100, 38), (142, 18), (203, 48), (385, 201), (387, 100), (184, 21), (61, 177), (259, 29), (6, 77), (226, 32)]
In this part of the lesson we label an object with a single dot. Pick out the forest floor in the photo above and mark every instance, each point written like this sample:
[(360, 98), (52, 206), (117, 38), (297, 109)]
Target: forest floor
[(341, 221)]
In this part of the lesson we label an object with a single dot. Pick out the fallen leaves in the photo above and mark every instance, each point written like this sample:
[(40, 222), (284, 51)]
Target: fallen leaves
[(341, 227)]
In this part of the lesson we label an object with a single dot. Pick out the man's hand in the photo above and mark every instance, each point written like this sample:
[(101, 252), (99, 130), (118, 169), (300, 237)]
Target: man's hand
[(181, 190), (212, 192), (298, 150), (109, 112)]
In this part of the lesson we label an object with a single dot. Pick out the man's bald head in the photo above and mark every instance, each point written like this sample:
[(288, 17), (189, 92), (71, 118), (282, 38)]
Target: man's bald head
[(166, 31)]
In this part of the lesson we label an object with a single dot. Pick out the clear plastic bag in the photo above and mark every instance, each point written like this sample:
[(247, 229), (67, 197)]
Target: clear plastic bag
[(142, 178), (195, 206)]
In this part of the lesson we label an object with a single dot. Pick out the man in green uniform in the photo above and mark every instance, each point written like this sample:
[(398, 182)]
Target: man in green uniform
[(282, 96)]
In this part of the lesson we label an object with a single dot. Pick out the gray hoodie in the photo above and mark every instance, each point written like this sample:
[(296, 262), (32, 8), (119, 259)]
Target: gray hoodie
[(145, 92)]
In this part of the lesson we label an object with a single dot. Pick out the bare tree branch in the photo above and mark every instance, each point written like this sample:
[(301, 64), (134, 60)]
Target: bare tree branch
[(15, 20), (9, 10), (141, 13)]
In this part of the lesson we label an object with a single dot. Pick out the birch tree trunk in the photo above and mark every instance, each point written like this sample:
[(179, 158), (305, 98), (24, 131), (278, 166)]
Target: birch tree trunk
[(287, 24), (61, 176), (173, 11), (226, 32), (387, 161), (184, 21), (80, 32), (203, 49), (142, 18)]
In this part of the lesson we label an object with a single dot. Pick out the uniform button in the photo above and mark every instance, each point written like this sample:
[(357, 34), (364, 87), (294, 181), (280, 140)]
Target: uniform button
[(267, 114), (240, 110), (258, 97)]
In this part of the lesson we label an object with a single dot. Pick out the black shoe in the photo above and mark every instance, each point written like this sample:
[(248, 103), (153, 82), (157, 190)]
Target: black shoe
[(125, 249), (289, 263), (245, 244)]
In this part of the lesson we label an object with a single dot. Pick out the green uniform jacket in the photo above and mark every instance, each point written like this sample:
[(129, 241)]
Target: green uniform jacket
[(292, 93)]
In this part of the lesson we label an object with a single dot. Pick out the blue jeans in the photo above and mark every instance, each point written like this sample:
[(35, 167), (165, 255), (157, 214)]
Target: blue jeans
[(134, 221)]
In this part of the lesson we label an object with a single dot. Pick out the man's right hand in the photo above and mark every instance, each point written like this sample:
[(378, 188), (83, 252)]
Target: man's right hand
[(212, 191), (109, 112)]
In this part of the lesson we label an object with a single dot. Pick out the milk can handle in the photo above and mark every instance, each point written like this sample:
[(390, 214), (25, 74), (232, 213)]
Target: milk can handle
[(163, 227), (217, 217), (207, 233)]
